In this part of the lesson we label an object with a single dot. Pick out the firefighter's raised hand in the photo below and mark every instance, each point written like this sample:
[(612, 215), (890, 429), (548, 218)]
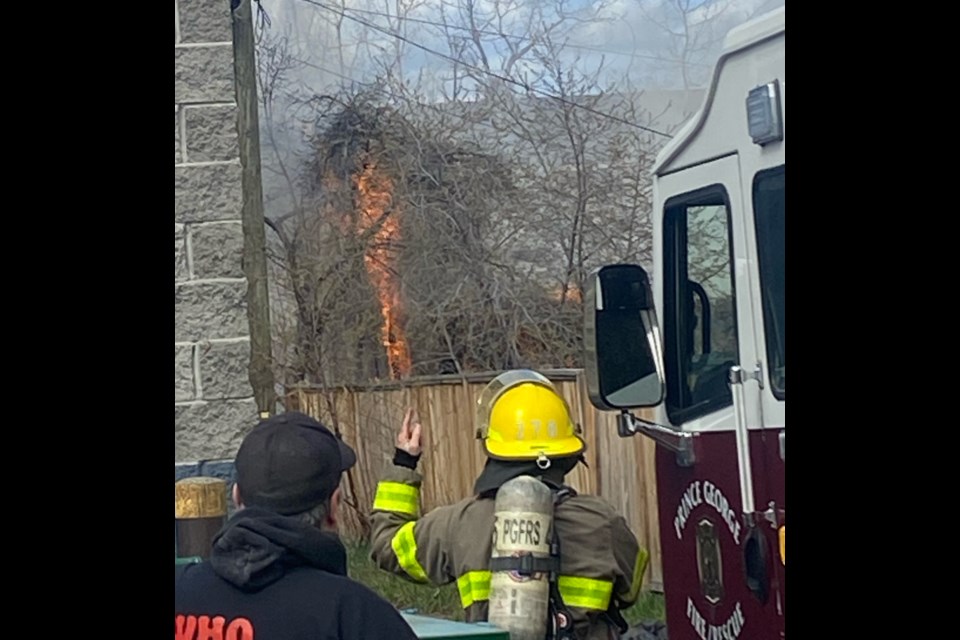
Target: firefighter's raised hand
[(409, 437)]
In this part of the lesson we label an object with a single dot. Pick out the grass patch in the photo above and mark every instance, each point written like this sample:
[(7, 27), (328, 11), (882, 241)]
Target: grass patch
[(444, 602), (649, 606), (437, 602)]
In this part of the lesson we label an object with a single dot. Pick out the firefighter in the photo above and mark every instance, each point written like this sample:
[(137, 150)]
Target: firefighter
[(526, 428)]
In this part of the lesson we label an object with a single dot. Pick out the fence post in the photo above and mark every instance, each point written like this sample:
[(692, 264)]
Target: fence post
[(200, 511)]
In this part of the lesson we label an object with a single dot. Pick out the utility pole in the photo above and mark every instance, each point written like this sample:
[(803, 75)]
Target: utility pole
[(254, 234)]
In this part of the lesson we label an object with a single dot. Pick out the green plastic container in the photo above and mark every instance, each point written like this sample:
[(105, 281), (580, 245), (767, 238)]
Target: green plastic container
[(439, 629)]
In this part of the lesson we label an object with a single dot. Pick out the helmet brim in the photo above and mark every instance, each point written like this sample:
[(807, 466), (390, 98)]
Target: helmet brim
[(523, 451)]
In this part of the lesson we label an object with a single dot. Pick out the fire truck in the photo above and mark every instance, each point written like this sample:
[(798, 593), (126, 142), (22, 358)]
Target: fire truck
[(697, 342)]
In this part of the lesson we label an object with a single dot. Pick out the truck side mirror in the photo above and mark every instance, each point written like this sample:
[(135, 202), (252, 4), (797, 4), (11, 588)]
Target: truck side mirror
[(623, 354)]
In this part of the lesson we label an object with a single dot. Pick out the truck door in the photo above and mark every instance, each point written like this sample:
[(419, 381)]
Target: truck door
[(766, 244), (710, 324)]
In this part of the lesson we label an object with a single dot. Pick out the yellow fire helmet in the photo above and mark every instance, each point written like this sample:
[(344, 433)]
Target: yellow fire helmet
[(521, 416)]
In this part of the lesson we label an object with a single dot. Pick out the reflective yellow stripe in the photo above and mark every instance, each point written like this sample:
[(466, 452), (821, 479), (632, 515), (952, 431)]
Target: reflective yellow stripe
[(639, 568), (474, 586), (405, 546), (586, 593), (397, 497)]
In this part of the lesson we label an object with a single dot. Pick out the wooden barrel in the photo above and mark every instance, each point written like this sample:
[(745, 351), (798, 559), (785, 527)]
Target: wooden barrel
[(200, 512)]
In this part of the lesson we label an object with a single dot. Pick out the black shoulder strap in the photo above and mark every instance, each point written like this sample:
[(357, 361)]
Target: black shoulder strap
[(560, 625), (560, 491)]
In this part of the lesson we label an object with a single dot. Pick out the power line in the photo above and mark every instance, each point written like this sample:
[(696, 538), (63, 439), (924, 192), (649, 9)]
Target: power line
[(472, 67), (376, 88), (373, 86), (516, 37), (331, 72)]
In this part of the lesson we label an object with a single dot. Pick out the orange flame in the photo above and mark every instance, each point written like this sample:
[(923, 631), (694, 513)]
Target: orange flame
[(375, 199), (571, 292)]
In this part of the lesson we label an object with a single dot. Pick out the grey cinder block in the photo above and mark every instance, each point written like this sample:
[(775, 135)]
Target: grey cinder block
[(180, 271), (225, 369), (217, 250), (205, 21), (203, 74), (208, 192), (211, 133), (210, 310), (183, 381), (213, 430)]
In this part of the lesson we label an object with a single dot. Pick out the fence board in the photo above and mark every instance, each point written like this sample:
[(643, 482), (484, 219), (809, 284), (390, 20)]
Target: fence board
[(622, 471)]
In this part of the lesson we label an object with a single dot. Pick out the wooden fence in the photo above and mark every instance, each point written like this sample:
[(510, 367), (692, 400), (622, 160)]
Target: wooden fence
[(620, 470)]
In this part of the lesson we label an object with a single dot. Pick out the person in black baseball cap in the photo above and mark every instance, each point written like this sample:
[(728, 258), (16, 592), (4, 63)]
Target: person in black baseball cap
[(290, 464), (278, 568)]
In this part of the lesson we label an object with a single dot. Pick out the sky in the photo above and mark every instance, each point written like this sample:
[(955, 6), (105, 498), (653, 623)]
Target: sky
[(621, 41)]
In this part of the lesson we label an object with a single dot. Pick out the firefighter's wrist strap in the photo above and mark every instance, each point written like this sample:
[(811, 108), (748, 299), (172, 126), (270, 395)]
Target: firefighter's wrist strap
[(525, 565), (403, 459)]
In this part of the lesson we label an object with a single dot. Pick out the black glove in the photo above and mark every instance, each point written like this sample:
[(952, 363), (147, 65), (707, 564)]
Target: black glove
[(403, 459)]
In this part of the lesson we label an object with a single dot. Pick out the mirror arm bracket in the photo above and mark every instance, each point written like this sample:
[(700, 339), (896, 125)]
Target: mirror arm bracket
[(680, 442)]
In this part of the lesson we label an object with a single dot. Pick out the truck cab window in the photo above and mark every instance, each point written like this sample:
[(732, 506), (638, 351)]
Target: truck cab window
[(769, 196), (700, 319)]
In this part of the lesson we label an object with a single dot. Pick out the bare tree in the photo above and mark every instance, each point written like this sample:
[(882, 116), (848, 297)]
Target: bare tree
[(424, 236), (694, 31)]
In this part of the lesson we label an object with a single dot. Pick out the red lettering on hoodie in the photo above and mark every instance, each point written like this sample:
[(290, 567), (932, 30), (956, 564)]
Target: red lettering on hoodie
[(240, 629), (210, 628), (185, 627), (207, 628)]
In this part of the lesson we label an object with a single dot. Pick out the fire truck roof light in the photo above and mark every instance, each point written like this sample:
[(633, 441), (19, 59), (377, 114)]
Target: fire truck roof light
[(764, 117)]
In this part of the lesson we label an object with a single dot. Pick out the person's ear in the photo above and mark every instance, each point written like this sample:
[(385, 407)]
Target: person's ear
[(334, 509), (237, 500)]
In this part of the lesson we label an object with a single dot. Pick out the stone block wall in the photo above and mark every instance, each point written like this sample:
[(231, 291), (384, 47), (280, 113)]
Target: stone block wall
[(213, 398)]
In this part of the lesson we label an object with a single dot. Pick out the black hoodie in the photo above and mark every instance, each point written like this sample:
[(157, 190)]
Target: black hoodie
[(271, 577)]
